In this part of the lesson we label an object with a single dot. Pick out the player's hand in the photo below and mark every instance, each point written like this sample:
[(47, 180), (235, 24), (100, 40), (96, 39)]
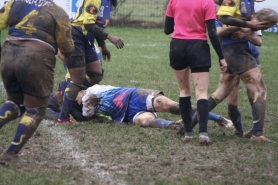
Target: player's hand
[(223, 65), (257, 25), (118, 42), (106, 55), (60, 56), (238, 35)]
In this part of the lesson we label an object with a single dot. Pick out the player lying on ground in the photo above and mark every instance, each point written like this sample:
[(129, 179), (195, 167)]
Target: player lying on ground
[(123, 104)]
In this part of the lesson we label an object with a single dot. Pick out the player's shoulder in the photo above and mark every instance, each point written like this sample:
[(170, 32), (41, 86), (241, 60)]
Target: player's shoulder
[(58, 12)]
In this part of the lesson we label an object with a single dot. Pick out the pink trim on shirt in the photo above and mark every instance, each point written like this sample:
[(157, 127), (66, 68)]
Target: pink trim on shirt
[(189, 18)]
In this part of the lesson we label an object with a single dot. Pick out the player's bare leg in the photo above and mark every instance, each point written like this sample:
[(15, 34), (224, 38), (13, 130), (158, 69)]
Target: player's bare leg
[(183, 80), (256, 86), (163, 104), (225, 85), (148, 119), (233, 110), (201, 82), (35, 111)]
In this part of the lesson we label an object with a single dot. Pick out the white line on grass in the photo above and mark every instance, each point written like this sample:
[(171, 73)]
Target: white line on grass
[(67, 143)]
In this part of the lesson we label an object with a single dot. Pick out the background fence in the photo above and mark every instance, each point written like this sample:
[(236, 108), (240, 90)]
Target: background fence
[(139, 13)]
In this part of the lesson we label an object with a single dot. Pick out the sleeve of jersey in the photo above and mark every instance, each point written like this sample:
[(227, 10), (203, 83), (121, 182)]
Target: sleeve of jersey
[(63, 33), (4, 15), (90, 11), (218, 24), (230, 10), (169, 11), (210, 11)]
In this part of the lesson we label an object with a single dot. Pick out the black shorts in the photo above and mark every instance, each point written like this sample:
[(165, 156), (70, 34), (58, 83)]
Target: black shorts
[(239, 58), (27, 70), (192, 53), (84, 51)]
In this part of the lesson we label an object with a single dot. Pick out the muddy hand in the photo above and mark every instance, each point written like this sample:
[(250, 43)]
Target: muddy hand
[(118, 42), (106, 54), (223, 65), (257, 25)]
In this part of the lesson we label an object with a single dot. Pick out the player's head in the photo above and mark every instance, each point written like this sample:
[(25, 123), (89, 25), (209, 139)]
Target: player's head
[(114, 3)]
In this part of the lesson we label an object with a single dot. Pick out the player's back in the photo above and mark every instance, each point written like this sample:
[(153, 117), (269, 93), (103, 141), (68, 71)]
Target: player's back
[(189, 17), (38, 20)]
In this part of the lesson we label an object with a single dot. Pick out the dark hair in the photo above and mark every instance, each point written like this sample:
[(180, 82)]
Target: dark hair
[(114, 3), (219, 2)]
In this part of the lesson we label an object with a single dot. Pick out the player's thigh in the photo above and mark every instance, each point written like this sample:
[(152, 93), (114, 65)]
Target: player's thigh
[(254, 82), (233, 96), (225, 85), (164, 104), (143, 119), (93, 63)]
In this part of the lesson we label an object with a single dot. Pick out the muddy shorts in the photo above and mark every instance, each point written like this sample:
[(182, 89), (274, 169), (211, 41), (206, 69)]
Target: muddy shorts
[(239, 58), (192, 53), (27, 70), (141, 101), (84, 51)]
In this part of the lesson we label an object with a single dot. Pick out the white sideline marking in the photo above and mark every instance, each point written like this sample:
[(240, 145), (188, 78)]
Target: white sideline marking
[(67, 143), (143, 45), (163, 45)]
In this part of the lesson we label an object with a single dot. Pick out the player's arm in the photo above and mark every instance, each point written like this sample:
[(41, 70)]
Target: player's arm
[(169, 25), (223, 32), (241, 23), (63, 35), (97, 32), (104, 50), (214, 39), (255, 39), (4, 14)]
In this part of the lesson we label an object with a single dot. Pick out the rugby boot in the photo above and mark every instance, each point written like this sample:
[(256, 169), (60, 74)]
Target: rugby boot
[(204, 139), (224, 122), (261, 139), (175, 125), (249, 133), (188, 137)]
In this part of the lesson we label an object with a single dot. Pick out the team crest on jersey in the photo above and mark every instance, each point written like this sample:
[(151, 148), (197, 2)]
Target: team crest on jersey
[(229, 3), (92, 9)]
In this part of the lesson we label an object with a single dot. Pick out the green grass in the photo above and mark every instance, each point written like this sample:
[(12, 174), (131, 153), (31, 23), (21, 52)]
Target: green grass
[(134, 155)]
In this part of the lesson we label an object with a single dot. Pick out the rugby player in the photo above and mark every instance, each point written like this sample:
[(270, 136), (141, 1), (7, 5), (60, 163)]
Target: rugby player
[(84, 59), (57, 98), (36, 29), (189, 21), (241, 63)]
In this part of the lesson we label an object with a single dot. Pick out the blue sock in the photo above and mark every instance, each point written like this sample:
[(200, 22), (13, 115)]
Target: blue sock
[(238, 122), (214, 117), (161, 123), (8, 111), (66, 107), (18, 139)]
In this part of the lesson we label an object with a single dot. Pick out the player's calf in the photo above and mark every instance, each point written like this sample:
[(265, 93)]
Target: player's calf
[(10, 111), (26, 127)]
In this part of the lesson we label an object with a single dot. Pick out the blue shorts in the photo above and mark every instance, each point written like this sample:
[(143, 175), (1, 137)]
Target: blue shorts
[(140, 101), (84, 51)]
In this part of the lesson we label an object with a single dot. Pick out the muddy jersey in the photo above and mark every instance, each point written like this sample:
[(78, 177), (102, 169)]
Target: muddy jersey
[(103, 18), (41, 20), (86, 14), (240, 9)]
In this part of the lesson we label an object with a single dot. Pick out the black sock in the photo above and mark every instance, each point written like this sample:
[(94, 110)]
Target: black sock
[(202, 109), (211, 104), (185, 108)]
